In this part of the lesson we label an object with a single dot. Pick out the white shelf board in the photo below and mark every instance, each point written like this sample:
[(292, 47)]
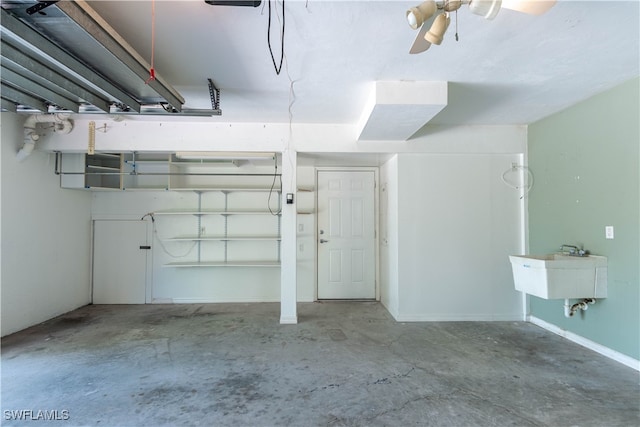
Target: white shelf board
[(222, 238), (306, 188), (146, 162), (225, 190), (104, 168), (125, 188), (109, 155), (224, 264), (211, 212), (98, 188)]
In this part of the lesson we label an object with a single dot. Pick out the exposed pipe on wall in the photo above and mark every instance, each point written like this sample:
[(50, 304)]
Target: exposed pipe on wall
[(61, 124), (570, 310)]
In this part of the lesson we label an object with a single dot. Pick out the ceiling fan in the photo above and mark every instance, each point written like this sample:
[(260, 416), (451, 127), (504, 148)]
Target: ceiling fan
[(432, 26), (248, 3)]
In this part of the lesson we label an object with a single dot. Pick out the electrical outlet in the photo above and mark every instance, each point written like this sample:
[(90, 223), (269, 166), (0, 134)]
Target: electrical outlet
[(608, 232)]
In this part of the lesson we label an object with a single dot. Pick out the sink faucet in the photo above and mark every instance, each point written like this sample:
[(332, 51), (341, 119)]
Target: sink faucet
[(574, 250)]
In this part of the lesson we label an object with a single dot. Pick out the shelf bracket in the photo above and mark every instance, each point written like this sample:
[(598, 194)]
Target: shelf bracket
[(214, 93), (199, 193), (226, 225)]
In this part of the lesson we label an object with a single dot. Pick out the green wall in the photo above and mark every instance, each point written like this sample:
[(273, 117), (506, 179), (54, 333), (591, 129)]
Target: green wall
[(585, 162)]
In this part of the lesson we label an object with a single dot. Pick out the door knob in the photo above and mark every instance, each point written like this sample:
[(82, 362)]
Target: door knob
[(323, 241)]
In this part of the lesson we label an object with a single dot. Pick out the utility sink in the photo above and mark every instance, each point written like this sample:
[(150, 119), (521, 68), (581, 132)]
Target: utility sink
[(560, 276)]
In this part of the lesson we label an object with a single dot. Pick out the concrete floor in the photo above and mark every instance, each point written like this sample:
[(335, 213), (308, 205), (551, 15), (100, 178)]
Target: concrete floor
[(343, 364)]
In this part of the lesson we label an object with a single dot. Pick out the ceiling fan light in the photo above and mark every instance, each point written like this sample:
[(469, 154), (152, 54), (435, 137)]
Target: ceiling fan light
[(486, 8), (417, 15), (435, 34)]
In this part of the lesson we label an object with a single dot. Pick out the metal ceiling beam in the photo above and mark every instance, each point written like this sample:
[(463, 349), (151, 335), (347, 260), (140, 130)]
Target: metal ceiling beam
[(147, 110), (29, 86), (23, 64), (19, 97), (8, 105), (83, 15), (62, 59)]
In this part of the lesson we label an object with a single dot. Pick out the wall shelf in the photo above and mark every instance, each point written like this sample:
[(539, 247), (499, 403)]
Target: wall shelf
[(157, 171), (222, 238), (213, 212), (243, 235), (99, 171), (224, 264)]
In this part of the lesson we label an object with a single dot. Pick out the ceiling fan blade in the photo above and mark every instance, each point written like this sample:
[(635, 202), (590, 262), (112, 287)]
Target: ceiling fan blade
[(420, 44), (532, 7), (250, 3)]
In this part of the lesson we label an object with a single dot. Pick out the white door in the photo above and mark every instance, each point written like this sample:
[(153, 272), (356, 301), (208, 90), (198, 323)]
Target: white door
[(119, 262), (346, 235)]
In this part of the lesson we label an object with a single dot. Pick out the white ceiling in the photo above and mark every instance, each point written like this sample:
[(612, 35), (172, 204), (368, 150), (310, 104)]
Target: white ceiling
[(515, 69)]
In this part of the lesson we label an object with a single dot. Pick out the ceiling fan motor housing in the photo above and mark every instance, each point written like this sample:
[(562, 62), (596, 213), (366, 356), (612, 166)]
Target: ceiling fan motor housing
[(486, 8)]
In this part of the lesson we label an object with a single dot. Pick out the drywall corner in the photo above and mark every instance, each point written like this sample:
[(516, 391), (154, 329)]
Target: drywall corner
[(45, 237)]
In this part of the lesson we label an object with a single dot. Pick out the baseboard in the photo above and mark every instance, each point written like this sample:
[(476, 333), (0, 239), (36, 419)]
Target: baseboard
[(591, 345), (288, 320), (209, 301), (459, 318), (392, 310)]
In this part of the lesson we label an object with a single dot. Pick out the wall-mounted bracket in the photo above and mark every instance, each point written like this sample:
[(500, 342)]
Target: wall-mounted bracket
[(214, 93), (39, 6)]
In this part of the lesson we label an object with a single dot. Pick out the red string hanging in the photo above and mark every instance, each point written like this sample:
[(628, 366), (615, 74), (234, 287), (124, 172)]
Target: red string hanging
[(152, 71)]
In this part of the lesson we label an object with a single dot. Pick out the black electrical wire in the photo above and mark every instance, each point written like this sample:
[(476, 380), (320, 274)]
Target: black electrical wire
[(278, 68)]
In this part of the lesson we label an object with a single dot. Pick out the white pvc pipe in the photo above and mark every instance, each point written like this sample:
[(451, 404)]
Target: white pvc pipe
[(567, 308), (62, 124)]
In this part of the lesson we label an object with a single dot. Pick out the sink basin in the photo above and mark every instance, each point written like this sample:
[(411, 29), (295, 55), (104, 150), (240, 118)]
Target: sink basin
[(559, 276)]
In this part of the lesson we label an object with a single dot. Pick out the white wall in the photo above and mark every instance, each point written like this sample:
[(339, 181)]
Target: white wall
[(458, 222), (45, 237), (451, 174), (306, 234), (389, 235), (201, 284)]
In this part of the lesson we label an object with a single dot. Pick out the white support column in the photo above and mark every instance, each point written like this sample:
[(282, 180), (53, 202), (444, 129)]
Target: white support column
[(288, 291)]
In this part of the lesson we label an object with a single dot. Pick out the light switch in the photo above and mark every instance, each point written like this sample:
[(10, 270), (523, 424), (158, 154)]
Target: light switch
[(608, 232)]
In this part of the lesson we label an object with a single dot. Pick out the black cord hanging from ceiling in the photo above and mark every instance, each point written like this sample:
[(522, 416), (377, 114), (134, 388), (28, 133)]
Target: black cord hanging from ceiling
[(278, 68)]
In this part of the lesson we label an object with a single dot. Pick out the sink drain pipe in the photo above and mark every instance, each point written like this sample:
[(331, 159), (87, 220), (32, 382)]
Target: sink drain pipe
[(570, 309)]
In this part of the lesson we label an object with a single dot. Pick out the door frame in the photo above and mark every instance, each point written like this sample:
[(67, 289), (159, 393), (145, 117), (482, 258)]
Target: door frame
[(376, 219)]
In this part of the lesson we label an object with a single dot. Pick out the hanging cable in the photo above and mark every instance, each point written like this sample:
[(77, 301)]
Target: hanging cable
[(457, 39), (292, 100), (528, 180), (275, 175), (278, 68), (159, 239)]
